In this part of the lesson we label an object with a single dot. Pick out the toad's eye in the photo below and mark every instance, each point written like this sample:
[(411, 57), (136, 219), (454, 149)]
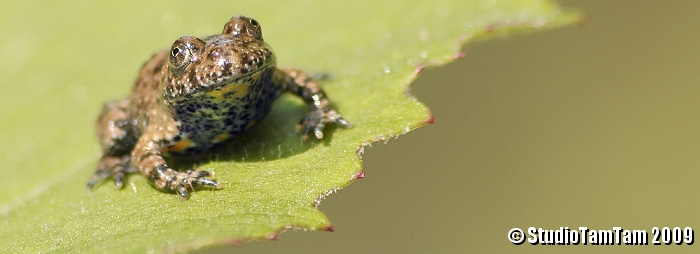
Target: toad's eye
[(179, 57), (183, 52), (255, 23), (240, 26), (255, 30)]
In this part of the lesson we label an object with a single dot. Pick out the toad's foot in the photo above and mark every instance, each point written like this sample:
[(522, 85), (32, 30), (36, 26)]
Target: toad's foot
[(170, 180), (317, 119), (112, 166)]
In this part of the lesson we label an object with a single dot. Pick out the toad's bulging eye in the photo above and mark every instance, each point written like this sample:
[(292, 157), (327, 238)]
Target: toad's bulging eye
[(179, 57), (255, 30), (175, 52), (183, 52), (254, 23), (241, 26)]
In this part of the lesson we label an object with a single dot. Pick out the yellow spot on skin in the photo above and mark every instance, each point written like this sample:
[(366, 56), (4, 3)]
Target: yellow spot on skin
[(238, 89), (221, 137), (179, 146)]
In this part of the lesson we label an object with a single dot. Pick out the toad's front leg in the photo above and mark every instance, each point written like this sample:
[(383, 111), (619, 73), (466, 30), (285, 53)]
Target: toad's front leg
[(147, 158), (321, 109)]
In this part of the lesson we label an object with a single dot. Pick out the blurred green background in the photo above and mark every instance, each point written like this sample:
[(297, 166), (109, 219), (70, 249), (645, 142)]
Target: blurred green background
[(594, 126)]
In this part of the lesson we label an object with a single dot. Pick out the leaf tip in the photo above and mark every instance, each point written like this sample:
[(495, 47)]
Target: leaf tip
[(328, 228), (418, 70), (430, 119), (359, 175), (273, 236)]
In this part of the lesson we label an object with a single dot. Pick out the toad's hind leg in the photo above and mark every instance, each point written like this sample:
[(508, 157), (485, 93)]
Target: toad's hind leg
[(321, 109), (116, 136), (112, 166)]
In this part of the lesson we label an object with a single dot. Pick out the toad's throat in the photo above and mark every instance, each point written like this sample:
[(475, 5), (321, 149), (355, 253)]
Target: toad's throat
[(225, 111)]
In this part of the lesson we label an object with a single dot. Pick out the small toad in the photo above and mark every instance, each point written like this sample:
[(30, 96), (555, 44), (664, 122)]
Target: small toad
[(198, 94)]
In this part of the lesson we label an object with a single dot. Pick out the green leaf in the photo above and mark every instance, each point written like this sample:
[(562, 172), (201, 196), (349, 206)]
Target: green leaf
[(61, 62)]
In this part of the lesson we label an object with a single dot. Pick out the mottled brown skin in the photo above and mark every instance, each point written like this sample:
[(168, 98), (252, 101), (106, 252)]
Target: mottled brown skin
[(199, 94)]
